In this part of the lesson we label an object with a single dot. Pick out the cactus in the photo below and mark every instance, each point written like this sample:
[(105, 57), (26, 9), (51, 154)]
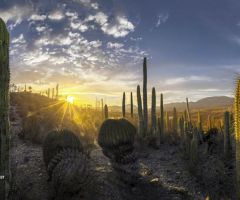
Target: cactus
[(161, 117), (140, 114), (52, 93), (4, 107), (167, 122), (227, 142), (102, 109), (188, 112), (199, 123), (209, 123), (106, 111), (237, 134), (131, 100), (123, 105), (65, 161), (194, 149), (153, 113), (48, 93), (181, 126), (145, 106), (57, 86), (175, 120), (116, 138)]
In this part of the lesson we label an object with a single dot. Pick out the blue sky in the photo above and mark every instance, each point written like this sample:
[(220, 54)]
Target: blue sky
[(95, 48)]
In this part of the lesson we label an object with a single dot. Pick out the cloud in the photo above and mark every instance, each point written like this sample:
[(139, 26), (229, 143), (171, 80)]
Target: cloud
[(56, 15), (116, 45), (136, 38), (161, 19), (19, 40), (15, 14), (36, 17), (88, 4), (119, 27), (180, 80), (41, 28)]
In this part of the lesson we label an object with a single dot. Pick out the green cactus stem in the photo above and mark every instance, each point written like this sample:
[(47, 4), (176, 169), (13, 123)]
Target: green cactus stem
[(140, 114), (167, 122), (175, 120), (57, 87), (145, 105), (237, 135), (153, 112), (4, 109), (161, 132), (123, 105), (106, 111), (131, 100)]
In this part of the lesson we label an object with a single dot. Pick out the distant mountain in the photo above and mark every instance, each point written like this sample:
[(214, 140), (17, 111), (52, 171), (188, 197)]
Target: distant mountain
[(205, 103)]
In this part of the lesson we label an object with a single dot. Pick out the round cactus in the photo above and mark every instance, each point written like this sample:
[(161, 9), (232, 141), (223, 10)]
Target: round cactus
[(57, 141), (116, 137), (115, 133)]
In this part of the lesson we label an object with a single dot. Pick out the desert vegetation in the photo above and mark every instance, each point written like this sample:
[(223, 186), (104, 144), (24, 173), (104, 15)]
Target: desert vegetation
[(206, 141)]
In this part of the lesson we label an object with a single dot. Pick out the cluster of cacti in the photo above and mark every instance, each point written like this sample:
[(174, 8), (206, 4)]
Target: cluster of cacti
[(227, 139), (65, 161), (116, 137), (4, 107), (237, 135)]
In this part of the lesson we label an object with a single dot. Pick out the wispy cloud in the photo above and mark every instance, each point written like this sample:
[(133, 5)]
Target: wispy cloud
[(161, 19), (180, 80)]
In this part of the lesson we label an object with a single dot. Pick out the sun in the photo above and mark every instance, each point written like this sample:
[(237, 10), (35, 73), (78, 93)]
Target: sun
[(70, 99)]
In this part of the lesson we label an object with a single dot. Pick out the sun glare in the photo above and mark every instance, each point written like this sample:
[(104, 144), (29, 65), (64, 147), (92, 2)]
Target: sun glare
[(70, 99)]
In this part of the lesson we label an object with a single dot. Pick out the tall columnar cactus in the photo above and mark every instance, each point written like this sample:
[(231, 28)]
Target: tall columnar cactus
[(145, 106), (209, 122), (106, 111), (199, 122), (102, 109), (66, 163), (123, 105), (161, 117), (4, 107), (194, 148), (237, 134), (131, 100), (181, 126), (52, 93), (25, 88), (48, 93), (140, 113), (153, 112), (188, 112), (116, 137), (227, 141), (57, 87), (167, 122), (175, 120)]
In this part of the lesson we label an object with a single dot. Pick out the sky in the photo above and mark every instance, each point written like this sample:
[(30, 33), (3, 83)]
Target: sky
[(94, 49)]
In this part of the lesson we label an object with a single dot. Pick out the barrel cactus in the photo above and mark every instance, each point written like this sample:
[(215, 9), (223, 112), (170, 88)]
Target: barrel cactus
[(66, 163), (116, 137)]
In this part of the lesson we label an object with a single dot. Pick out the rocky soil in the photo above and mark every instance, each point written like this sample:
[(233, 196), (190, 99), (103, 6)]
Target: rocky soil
[(164, 174)]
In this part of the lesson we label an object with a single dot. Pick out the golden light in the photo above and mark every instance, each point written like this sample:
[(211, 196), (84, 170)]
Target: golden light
[(70, 99)]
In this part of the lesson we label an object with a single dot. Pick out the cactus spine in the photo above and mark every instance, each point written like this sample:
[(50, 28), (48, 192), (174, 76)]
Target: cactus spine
[(4, 107), (237, 134), (145, 106), (106, 111), (153, 113), (140, 113), (131, 105), (227, 142), (123, 105)]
